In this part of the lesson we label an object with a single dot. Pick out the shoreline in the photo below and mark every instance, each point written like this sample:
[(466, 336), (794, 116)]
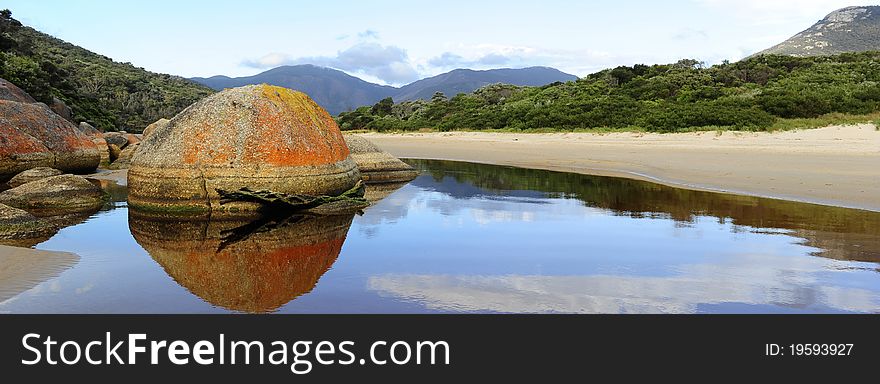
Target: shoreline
[(24, 268), (836, 166)]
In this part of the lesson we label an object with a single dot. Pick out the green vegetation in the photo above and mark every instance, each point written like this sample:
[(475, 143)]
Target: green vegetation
[(760, 93), (107, 94)]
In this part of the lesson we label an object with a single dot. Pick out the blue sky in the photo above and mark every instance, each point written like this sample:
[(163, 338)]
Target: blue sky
[(396, 42)]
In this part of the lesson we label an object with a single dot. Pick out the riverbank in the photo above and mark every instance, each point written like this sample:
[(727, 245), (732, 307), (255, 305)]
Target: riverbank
[(837, 165)]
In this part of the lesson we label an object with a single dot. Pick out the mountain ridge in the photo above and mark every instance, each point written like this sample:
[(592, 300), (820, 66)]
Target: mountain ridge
[(850, 29), (339, 92)]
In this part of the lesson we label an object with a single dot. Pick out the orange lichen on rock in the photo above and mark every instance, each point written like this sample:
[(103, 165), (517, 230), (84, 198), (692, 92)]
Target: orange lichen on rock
[(297, 132), (34, 136)]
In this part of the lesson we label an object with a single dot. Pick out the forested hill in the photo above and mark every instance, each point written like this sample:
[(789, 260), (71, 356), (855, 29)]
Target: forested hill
[(750, 94), (110, 95)]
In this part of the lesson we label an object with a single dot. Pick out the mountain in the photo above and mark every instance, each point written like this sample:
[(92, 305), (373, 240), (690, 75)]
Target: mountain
[(334, 90), (468, 80), (107, 94), (851, 29), (338, 92)]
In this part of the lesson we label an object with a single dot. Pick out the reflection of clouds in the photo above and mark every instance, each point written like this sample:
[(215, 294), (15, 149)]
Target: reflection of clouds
[(485, 217), (387, 211), (84, 289), (747, 279), (483, 209)]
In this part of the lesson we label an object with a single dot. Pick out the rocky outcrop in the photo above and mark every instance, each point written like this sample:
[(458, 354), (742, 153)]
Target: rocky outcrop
[(54, 196), (11, 92), (155, 126), (31, 135), (250, 267), (376, 165), (32, 174), (260, 137)]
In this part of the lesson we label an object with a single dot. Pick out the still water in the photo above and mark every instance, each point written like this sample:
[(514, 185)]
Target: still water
[(481, 239)]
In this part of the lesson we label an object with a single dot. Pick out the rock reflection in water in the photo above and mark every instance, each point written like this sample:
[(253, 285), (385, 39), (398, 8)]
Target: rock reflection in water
[(41, 230), (244, 266)]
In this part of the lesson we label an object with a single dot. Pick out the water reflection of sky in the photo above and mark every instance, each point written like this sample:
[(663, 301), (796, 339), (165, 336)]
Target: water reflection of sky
[(446, 245)]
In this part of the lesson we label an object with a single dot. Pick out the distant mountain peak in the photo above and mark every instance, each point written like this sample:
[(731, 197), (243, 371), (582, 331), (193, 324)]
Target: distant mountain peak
[(850, 29)]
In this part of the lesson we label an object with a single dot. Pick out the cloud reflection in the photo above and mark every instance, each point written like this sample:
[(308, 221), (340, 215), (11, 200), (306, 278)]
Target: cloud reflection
[(795, 283)]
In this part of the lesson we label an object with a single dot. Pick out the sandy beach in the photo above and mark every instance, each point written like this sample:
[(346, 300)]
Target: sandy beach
[(23, 268), (838, 165)]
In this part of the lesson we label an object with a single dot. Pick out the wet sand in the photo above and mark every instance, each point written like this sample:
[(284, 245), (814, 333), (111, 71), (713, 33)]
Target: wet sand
[(838, 165), (23, 268)]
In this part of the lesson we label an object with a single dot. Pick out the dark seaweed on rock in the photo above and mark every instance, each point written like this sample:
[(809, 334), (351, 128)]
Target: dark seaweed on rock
[(353, 199)]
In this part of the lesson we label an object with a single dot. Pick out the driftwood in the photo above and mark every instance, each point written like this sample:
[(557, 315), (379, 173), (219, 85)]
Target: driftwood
[(352, 199)]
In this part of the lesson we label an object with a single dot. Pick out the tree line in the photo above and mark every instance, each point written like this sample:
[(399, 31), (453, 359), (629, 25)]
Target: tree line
[(751, 94)]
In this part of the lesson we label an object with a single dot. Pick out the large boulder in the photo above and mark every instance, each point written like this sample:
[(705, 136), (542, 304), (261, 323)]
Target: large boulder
[(55, 195), (153, 127), (261, 137), (31, 135), (11, 92), (33, 174), (376, 165)]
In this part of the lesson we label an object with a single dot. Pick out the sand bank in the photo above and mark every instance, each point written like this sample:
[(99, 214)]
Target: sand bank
[(837, 165), (23, 268)]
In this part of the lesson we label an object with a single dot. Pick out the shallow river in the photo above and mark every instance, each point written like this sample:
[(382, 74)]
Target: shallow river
[(479, 238)]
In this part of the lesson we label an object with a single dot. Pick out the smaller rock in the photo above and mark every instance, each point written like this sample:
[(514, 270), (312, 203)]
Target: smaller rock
[(155, 126), (33, 174), (16, 224), (97, 138), (9, 91), (55, 195), (114, 152), (61, 109), (88, 129), (131, 138), (123, 161), (376, 165), (116, 138)]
